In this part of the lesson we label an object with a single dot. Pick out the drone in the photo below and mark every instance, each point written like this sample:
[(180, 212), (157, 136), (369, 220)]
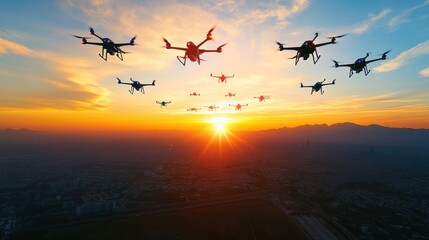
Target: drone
[(222, 78), (262, 98), (230, 94), (108, 46), (212, 107), (136, 85), (194, 94), (318, 86), (193, 109), (192, 51), (163, 103), (360, 64), (308, 47), (238, 106)]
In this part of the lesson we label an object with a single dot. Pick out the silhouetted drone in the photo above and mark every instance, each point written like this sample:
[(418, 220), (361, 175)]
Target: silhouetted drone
[(193, 109), (230, 94), (221, 78), (318, 86), (136, 85), (308, 47), (360, 64), (108, 46), (238, 106), (262, 98), (212, 107), (194, 94), (163, 103), (193, 51)]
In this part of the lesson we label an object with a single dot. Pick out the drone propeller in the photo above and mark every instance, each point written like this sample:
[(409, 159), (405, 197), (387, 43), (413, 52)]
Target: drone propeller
[(281, 47), (80, 37), (292, 57), (334, 38), (384, 55), (133, 40), (83, 38), (335, 64), (219, 49), (91, 30), (209, 34), (324, 80), (167, 43)]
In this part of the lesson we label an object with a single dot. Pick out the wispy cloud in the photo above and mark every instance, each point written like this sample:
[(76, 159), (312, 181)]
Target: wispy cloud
[(424, 72), (61, 86), (9, 47), (404, 15), (404, 57), (366, 25), (274, 10)]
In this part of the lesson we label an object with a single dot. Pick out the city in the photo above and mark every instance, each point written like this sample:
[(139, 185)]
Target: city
[(60, 187)]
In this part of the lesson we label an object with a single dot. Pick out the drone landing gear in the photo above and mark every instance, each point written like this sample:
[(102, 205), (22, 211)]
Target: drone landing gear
[(119, 55), (351, 72), (103, 54), (184, 60), (297, 58), (321, 91), (317, 55), (131, 90), (365, 69)]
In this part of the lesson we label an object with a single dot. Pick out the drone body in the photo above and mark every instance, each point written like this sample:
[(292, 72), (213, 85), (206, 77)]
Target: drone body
[(192, 51), (361, 64), (308, 48), (230, 94), (195, 109), (136, 85), (318, 86), (108, 46), (238, 106), (211, 107), (194, 94), (262, 98), (163, 103), (221, 78)]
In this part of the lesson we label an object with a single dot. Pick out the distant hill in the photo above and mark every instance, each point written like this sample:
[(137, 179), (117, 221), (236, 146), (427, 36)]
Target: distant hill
[(350, 133), (346, 133)]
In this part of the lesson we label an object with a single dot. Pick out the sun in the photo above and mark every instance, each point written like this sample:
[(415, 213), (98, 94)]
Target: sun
[(219, 124)]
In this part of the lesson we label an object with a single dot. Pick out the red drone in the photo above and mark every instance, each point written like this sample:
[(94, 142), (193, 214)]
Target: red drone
[(238, 106), (262, 98), (194, 94), (221, 78), (192, 51)]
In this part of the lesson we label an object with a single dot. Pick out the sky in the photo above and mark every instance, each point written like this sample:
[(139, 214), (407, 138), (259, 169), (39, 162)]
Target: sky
[(49, 81)]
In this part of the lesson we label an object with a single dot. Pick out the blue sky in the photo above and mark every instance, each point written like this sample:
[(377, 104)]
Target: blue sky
[(47, 74)]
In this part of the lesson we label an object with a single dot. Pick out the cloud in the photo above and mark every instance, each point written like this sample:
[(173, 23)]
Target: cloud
[(424, 72), (366, 25), (59, 85), (275, 11), (9, 47), (404, 57), (403, 17)]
